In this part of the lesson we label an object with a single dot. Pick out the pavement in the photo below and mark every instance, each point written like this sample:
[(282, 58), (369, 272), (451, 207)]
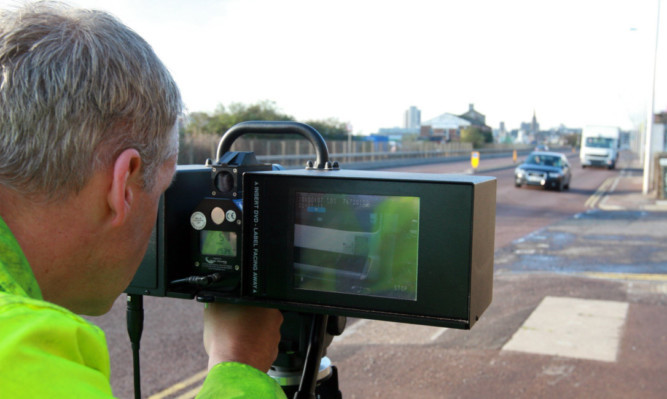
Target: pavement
[(579, 311)]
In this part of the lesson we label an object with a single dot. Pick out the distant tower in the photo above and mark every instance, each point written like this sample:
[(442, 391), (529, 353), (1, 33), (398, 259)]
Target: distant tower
[(413, 118), (534, 126)]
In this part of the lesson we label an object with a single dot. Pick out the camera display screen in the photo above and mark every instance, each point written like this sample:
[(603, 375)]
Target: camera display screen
[(220, 243), (356, 244)]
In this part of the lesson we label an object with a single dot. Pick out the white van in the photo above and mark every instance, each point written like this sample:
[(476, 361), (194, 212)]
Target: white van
[(599, 146)]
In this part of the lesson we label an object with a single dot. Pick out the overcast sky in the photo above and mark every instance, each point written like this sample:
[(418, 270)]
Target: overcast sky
[(574, 62)]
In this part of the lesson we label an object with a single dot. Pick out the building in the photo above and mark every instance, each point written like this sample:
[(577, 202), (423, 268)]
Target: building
[(398, 133), (413, 118), (477, 119), (445, 127), (502, 135), (532, 127), (474, 117), (412, 121)]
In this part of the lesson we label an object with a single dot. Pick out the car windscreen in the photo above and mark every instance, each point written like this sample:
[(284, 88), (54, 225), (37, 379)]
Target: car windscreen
[(599, 142), (544, 160)]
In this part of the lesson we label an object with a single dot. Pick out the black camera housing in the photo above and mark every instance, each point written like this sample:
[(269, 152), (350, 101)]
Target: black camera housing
[(405, 247)]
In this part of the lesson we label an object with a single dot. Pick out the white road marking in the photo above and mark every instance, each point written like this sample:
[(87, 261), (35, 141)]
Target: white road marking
[(373, 332), (572, 327)]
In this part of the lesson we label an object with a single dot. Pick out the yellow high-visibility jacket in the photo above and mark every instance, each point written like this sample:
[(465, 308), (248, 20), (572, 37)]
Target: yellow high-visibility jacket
[(46, 351)]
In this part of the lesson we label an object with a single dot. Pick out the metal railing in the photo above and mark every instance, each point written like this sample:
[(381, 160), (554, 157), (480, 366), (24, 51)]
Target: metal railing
[(351, 154)]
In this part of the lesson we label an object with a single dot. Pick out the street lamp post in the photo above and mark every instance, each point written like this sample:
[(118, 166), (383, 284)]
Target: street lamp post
[(648, 140)]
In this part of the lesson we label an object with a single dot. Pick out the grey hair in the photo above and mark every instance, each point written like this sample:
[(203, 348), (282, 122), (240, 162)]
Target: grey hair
[(77, 87)]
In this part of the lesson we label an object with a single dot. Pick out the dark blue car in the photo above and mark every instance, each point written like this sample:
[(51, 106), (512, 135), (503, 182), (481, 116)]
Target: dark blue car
[(545, 169)]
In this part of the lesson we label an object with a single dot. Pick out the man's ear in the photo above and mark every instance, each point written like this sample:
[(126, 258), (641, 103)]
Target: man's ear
[(126, 179)]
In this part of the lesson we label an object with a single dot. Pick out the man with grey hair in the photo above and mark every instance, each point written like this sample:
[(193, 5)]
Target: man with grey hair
[(88, 143)]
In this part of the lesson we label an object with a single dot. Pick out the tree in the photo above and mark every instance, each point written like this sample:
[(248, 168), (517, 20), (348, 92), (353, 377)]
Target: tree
[(261, 111), (330, 128), (225, 117), (573, 140), (197, 122), (476, 135)]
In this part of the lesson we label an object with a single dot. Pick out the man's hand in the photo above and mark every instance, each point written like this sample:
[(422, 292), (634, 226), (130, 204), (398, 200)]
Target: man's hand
[(244, 334)]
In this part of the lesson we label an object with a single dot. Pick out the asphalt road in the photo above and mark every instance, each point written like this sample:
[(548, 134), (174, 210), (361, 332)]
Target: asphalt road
[(521, 211), (390, 360)]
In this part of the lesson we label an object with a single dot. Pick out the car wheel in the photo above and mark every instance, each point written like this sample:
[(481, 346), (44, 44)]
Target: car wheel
[(560, 186), (517, 184)]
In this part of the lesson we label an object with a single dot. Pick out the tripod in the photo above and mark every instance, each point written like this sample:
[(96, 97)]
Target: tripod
[(302, 368)]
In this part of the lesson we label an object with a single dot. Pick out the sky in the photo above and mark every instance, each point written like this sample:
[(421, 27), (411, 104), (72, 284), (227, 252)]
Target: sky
[(364, 62)]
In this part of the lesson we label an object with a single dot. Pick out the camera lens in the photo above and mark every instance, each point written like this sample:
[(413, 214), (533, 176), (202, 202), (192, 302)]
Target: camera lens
[(224, 182)]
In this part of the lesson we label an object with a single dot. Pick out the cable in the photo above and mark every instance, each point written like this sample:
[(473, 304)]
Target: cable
[(199, 280), (313, 358), (135, 326)]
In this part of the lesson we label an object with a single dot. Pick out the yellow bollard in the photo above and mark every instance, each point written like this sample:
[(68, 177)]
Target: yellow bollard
[(474, 160)]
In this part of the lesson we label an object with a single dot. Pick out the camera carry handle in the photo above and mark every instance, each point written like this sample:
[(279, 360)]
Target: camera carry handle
[(278, 127)]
